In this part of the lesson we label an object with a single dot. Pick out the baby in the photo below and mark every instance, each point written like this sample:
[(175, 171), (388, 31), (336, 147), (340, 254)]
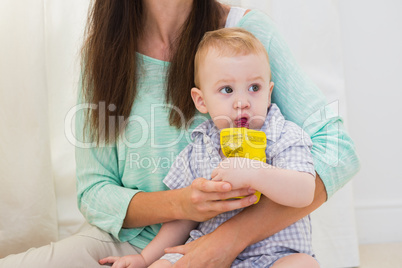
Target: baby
[(233, 84)]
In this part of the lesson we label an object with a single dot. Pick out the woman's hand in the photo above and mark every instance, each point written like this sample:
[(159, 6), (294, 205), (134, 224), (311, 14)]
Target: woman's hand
[(205, 199), (208, 251), (201, 201)]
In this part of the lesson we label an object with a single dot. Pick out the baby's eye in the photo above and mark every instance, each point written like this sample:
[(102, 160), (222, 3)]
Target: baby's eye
[(254, 88), (226, 90)]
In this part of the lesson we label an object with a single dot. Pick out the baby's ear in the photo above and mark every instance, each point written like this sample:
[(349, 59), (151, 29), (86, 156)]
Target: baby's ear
[(198, 99), (271, 87)]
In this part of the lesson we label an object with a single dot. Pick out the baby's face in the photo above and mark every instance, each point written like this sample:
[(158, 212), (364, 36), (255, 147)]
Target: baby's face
[(236, 89)]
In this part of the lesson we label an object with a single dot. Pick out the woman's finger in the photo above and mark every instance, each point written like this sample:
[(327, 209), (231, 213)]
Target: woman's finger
[(229, 205), (205, 185), (232, 194), (206, 202), (205, 197)]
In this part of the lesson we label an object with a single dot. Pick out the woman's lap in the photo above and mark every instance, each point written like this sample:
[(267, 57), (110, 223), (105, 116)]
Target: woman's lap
[(81, 250)]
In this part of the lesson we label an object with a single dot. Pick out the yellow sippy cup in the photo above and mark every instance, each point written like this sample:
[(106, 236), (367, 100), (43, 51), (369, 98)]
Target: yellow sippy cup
[(244, 142)]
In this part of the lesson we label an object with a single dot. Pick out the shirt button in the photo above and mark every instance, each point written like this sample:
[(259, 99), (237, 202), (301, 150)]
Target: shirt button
[(205, 139), (209, 150)]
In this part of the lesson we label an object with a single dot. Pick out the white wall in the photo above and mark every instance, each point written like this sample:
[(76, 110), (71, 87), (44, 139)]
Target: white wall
[(65, 21), (372, 46)]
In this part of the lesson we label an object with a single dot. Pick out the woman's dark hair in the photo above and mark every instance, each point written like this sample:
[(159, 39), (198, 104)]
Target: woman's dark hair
[(109, 62)]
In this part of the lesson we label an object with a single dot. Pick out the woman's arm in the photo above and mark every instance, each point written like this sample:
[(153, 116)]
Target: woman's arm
[(200, 201), (221, 247)]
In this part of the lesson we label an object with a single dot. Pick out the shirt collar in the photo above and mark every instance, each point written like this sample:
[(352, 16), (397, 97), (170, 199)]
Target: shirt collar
[(273, 123), (208, 130)]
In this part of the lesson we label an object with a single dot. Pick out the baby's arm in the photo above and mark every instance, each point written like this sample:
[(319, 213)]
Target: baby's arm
[(172, 233), (286, 187)]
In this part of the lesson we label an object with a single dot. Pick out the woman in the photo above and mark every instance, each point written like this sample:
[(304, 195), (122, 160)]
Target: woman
[(138, 56)]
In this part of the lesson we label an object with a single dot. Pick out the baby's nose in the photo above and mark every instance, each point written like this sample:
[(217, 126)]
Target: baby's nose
[(241, 104)]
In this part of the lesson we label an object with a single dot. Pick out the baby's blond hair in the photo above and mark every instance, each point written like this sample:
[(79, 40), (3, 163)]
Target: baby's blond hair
[(228, 42)]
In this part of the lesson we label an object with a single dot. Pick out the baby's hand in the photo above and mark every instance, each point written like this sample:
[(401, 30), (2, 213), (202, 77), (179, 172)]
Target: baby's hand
[(238, 171), (129, 261)]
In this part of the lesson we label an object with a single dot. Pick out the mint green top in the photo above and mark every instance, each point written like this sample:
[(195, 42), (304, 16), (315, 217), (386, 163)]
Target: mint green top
[(109, 176)]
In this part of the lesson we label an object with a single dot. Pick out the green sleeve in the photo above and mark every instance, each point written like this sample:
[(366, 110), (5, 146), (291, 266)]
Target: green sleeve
[(102, 199)]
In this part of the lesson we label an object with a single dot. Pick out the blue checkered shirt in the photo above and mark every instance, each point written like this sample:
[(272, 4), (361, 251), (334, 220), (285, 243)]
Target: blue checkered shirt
[(288, 147)]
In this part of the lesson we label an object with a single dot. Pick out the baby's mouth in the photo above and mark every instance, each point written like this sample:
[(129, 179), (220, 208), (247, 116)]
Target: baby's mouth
[(242, 122)]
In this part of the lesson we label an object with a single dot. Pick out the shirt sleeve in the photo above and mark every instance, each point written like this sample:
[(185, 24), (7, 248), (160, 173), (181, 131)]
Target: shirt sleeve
[(293, 150), (101, 197), (301, 101)]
